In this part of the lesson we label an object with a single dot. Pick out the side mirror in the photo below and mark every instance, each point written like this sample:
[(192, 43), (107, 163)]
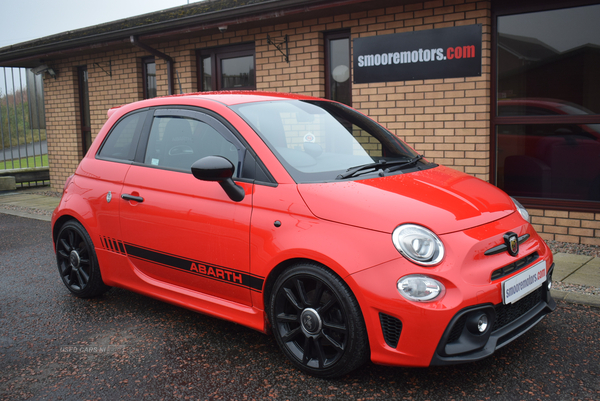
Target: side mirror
[(219, 169)]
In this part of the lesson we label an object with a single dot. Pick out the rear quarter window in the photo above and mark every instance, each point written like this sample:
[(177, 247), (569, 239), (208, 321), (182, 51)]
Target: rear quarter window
[(121, 142)]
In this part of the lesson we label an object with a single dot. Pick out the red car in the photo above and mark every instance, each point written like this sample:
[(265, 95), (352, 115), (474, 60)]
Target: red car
[(301, 217)]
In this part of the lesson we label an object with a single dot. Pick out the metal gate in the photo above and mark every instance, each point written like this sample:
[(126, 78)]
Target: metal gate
[(23, 145)]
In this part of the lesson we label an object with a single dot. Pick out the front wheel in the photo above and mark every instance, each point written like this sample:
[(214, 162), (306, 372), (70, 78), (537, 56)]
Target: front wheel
[(317, 322), (77, 262)]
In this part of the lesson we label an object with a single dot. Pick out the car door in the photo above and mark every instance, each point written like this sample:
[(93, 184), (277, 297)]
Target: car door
[(178, 230), (111, 163)]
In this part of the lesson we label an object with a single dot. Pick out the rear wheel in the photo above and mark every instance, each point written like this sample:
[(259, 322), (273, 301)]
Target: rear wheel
[(77, 262), (317, 322)]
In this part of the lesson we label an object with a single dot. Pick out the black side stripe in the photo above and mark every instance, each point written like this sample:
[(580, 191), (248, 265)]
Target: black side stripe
[(213, 272), (112, 245)]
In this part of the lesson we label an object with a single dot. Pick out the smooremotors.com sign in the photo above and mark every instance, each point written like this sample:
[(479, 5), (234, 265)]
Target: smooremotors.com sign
[(432, 54)]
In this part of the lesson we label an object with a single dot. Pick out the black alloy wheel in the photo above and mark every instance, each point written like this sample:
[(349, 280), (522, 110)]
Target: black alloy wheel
[(317, 322), (77, 262)]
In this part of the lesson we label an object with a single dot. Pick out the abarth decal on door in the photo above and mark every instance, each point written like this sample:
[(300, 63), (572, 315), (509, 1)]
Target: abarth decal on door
[(212, 272)]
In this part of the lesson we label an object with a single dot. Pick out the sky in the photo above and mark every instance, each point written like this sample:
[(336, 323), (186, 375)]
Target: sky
[(24, 20)]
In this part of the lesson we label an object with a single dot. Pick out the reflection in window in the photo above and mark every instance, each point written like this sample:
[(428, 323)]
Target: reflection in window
[(551, 55), (338, 67), (237, 72), (227, 68), (177, 142), (207, 73), (318, 140), (149, 77), (84, 103), (122, 140), (558, 161)]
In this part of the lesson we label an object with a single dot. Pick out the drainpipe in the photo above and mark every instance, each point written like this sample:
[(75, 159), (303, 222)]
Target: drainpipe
[(134, 41)]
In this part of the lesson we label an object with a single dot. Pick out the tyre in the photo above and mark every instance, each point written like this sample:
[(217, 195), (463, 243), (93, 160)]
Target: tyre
[(77, 262), (317, 322)]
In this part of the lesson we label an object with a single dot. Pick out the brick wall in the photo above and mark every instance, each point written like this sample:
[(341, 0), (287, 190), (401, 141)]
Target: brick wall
[(305, 72), (447, 120), (62, 103), (62, 122), (565, 226)]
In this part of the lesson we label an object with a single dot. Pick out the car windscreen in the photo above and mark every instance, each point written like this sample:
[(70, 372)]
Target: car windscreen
[(319, 141)]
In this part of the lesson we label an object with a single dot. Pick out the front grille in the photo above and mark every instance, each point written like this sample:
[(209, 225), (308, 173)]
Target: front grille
[(506, 314), (391, 328), (513, 267)]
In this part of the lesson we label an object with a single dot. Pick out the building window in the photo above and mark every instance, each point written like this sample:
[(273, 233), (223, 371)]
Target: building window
[(227, 68), (546, 119), (338, 85), (149, 72), (84, 109)]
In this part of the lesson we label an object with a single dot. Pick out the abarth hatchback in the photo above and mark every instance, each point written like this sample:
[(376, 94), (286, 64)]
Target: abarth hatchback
[(301, 217)]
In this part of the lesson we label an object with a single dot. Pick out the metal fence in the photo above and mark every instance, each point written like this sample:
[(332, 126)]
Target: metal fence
[(23, 143)]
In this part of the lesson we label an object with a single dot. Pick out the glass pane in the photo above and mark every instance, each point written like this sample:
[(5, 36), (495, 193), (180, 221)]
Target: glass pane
[(317, 141), (548, 62), (207, 74), (177, 143), (550, 161), (121, 143), (237, 72), (151, 80), (85, 112), (85, 108), (339, 78)]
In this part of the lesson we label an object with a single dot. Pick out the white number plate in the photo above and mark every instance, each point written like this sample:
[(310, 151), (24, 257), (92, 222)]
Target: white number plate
[(523, 283)]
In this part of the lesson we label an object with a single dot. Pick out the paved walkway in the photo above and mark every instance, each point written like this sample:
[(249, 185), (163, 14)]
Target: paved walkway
[(569, 268)]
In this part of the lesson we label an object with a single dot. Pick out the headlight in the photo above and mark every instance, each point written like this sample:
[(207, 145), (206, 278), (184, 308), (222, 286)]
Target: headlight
[(418, 244), (419, 288), (524, 213)]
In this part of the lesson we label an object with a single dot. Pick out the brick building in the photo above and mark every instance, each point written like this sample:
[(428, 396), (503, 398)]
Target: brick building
[(528, 121)]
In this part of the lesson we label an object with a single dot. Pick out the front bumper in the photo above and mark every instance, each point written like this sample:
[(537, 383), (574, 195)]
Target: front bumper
[(440, 332), (461, 343)]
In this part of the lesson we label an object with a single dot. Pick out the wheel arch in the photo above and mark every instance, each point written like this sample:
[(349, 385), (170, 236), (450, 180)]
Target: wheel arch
[(76, 258), (59, 223), (280, 268), (272, 278), (356, 336), (65, 215)]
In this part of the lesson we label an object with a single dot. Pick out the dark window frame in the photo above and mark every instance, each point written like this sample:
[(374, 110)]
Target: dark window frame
[(84, 109), (327, 37), (252, 165), (511, 7), (145, 62), (217, 54)]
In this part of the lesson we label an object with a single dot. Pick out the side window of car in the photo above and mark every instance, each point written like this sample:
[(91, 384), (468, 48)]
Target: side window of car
[(121, 142), (177, 142)]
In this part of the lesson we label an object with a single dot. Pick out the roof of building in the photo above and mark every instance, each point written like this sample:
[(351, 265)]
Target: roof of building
[(184, 19)]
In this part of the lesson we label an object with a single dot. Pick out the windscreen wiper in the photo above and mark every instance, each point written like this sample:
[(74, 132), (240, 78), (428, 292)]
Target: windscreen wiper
[(403, 165), (383, 165)]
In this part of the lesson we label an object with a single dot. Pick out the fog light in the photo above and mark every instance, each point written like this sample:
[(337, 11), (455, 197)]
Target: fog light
[(478, 322), (482, 323)]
